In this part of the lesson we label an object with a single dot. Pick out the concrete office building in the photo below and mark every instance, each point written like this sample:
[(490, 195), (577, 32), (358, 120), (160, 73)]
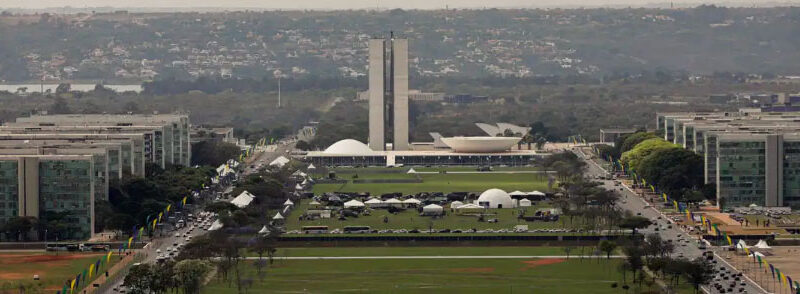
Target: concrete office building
[(751, 157), (156, 144), (388, 93), (133, 159), (176, 129), (37, 185), (100, 155)]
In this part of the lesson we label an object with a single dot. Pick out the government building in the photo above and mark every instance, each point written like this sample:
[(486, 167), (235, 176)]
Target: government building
[(753, 157)]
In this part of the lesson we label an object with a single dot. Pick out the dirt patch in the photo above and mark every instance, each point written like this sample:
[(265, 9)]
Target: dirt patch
[(14, 276), (529, 264), (473, 270)]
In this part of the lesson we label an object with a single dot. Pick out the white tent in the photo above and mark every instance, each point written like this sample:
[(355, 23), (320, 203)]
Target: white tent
[(353, 203), (524, 203), (741, 244), (314, 202), (305, 182), (456, 204), (517, 193), (216, 225), (298, 187), (411, 171), (277, 216), (432, 209), (469, 206), (288, 202), (279, 162), (536, 193), (243, 200), (762, 245), (411, 201), (264, 231), (393, 202), (375, 203), (311, 166)]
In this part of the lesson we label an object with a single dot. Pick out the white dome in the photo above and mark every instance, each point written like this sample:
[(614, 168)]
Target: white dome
[(348, 146), (495, 198)]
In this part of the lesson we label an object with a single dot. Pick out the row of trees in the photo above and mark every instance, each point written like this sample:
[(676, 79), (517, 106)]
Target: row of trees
[(674, 170), (654, 253), (186, 276)]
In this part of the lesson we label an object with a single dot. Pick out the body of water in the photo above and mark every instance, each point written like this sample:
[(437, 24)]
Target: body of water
[(74, 87)]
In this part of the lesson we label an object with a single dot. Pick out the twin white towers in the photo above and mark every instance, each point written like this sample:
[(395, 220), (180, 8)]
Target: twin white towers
[(388, 93)]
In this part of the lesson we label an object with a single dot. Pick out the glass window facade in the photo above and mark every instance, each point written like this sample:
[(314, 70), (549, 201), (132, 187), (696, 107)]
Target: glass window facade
[(791, 174), (66, 185), (742, 172), (9, 190)]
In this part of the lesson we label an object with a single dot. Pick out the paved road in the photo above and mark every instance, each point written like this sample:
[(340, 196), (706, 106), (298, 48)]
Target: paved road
[(168, 239), (688, 249)]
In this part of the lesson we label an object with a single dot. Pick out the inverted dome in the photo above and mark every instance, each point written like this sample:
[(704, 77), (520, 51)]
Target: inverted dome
[(480, 144), (495, 198), (348, 146)]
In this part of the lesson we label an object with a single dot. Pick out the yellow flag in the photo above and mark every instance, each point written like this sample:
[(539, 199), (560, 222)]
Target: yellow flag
[(129, 242), (168, 207), (72, 285), (108, 257), (91, 269)]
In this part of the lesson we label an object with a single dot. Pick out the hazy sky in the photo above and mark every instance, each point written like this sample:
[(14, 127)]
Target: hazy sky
[(352, 4)]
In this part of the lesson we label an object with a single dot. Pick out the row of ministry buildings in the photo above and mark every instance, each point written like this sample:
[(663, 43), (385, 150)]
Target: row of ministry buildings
[(753, 157), (57, 163)]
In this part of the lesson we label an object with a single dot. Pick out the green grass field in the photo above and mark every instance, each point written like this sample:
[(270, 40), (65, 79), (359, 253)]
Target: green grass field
[(433, 276), (410, 219), (53, 270), (477, 182), (432, 169), (429, 251)]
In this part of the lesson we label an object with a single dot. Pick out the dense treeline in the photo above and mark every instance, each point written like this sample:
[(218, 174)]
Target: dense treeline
[(669, 167), (171, 85)]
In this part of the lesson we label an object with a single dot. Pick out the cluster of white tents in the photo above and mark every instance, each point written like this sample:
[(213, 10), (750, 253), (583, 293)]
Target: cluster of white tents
[(377, 203), (243, 200), (279, 162), (531, 193)]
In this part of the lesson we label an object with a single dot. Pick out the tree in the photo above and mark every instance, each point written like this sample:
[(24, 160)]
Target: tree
[(608, 247), (140, 279), (190, 274), (634, 223), (699, 272), (213, 153), (632, 158), (303, 145), (630, 141), (633, 258), (60, 106), (63, 88), (567, 250), (675, 171), (20, 226)]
